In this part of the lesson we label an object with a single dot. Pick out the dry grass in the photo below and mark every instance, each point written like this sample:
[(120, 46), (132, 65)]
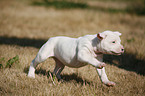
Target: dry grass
[(24, 28)]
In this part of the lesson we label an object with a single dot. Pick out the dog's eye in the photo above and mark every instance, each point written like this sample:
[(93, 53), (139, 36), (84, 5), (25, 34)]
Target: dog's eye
[(113, 42)]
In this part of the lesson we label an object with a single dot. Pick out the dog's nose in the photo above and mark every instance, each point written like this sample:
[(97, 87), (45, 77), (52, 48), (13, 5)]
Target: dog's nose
[(122, 49)]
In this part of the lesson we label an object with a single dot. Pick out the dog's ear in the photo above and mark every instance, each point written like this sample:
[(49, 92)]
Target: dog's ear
[(100, 36), (117, 33)]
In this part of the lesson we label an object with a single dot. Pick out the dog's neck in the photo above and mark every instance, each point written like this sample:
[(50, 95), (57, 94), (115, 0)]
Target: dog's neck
[(96, 44)]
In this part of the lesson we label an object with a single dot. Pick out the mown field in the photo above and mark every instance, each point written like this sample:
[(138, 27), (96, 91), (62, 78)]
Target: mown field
[(25, 25)]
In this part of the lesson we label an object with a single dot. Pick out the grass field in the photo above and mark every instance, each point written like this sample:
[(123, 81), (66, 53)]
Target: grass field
[(25, 25)]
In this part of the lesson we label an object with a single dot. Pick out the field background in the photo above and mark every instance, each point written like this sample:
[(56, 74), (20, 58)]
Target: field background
[(25, 25)]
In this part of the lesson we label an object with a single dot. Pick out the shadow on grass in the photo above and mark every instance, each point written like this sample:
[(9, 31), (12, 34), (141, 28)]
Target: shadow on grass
[(65, 77), (22, 41), (75, 77), (127, 61)]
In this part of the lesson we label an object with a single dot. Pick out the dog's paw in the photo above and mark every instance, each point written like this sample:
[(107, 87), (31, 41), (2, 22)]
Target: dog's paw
[(109, 83), (31, 72), (31, 75), (101, 65)]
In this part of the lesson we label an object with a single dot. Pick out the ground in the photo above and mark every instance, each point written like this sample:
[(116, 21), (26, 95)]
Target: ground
[(25, 25)]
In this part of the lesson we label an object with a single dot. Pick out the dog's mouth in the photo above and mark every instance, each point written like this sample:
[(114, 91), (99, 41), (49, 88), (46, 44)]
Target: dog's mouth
[(111, 52), (116, 53)]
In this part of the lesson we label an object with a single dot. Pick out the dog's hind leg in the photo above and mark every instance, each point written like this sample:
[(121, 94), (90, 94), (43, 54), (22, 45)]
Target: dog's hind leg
[(45, 51), (58, 68)]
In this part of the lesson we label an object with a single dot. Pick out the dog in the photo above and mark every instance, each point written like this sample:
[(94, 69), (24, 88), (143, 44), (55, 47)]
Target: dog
[(79, 52)]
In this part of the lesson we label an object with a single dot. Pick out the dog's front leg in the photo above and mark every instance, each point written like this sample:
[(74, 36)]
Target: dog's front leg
[(102, 74), (104, 78), (85, 57)]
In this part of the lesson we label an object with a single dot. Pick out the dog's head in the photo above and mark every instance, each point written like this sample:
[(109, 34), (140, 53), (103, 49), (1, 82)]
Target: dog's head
[(110, 43)]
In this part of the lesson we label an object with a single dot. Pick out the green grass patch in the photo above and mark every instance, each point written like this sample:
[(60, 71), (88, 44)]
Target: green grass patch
[(10, 62), (61, 4), (135, 6)]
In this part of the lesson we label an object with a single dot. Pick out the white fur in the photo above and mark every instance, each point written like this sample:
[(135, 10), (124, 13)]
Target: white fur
[(78, 52)]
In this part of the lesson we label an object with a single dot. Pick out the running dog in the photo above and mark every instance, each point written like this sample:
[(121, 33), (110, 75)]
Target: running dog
[(79, 52)]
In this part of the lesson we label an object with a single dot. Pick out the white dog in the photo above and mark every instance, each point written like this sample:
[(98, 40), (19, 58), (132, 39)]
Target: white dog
[(78, 52)]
